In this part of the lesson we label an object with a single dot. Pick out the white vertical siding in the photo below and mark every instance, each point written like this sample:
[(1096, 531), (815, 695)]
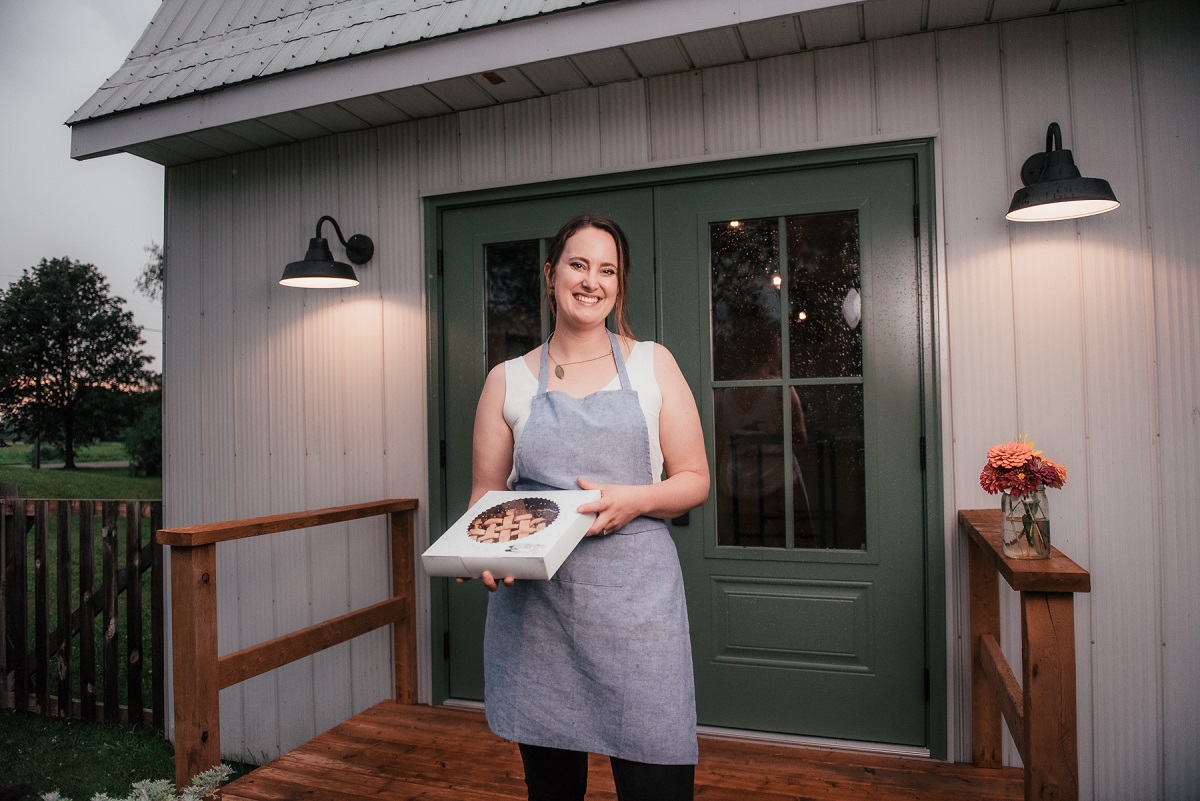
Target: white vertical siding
[(250, 412), (287, 233), (845, 93), (624, 125), (528, 136), (438, 166), (1082, 333), (1120, 676), (362, 468), (787, 104), (906, 86), (676, 116), (324, 438), (1168, 70), (402, 284), (979, 331), (575, 131), (481, 137), (730, 111), (1046, 287)]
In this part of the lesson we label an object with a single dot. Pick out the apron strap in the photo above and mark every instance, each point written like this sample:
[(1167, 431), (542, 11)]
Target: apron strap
[(619, 358), (544, 373)]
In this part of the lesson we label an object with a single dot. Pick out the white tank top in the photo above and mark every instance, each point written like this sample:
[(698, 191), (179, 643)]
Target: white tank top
[(520, 385)]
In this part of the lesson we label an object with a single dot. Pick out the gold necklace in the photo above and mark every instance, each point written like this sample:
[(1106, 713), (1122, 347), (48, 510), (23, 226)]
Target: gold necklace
[(558, 366)]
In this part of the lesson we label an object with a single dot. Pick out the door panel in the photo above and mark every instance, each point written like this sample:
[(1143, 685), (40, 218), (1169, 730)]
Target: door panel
[(492, 310), (795, 319)]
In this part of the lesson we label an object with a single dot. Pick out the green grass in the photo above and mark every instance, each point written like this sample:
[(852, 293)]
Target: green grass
[(91, 482), (81, 759), (21, 453)]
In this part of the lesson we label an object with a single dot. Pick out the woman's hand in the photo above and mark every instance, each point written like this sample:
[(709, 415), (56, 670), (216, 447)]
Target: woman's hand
[(618, 504), (489, 581)]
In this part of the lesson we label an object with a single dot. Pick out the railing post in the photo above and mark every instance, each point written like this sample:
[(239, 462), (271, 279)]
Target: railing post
[(194, 656), (1041, 712), (404, 632), (985, 619), (1048, 679)]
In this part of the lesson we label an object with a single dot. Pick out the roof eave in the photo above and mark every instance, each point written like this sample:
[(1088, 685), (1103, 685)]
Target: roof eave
[(510, 44)]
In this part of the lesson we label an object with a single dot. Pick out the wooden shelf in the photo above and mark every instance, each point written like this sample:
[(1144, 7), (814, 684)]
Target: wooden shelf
[(1056, 574)]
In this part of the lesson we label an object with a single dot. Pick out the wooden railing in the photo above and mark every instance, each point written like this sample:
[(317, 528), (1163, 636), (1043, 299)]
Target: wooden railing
[(200, 673), (1040, 711), (59, 659)]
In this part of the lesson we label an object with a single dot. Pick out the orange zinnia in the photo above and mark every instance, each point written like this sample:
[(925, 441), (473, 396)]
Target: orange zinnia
[(1009, 455)]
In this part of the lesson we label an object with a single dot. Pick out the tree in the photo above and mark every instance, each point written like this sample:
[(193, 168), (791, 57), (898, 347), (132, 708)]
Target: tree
[(150, 280), (143, 438), (70, 355)]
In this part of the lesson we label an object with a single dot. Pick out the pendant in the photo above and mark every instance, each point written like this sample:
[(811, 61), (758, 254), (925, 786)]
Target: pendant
[(558, 371)]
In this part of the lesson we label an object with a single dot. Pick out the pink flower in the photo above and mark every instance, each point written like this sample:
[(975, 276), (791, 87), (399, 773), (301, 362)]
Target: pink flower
[(1017, 469)]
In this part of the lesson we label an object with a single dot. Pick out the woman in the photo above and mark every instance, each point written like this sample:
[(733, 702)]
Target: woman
[(597, 659)]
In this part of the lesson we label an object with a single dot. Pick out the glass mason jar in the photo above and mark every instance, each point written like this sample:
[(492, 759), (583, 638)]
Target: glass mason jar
[(1026, 525)]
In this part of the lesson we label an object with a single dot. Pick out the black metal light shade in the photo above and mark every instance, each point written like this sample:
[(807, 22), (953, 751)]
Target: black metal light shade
[(318, 270), (1054, 189)]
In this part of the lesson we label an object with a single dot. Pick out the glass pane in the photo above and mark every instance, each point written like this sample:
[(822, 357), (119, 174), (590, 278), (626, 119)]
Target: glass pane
[(750, 480), (824, 304), (745, 299), (829, 508), (514, 323)]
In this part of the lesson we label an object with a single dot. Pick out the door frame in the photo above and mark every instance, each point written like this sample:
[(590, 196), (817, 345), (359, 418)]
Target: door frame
[(921, 154)]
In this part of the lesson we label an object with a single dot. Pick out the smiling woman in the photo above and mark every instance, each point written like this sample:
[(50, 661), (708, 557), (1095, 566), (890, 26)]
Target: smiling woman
[(597, 659)]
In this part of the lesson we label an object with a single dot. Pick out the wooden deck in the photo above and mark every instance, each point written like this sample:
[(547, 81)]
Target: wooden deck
[(396, 751)]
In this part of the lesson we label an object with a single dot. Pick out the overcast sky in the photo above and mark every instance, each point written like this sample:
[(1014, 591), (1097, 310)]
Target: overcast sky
[(53, 55)]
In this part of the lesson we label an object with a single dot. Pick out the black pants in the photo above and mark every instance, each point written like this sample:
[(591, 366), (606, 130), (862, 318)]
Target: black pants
[(553, 774)]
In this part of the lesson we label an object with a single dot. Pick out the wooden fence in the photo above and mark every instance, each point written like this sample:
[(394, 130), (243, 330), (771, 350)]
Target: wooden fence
[(74, 654)]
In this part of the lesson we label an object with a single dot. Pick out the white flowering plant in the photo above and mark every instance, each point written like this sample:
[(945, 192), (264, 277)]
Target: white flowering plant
[(163, 790)]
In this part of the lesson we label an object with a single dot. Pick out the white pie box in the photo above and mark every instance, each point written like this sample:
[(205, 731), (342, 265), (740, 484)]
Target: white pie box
[(516, 538)]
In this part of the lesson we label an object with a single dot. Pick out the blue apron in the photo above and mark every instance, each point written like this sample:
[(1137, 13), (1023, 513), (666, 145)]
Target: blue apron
[(598, 658)]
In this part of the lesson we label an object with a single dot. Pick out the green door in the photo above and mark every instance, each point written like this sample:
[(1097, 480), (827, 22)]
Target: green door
[(791, 302), (492, 310), (794, 316)]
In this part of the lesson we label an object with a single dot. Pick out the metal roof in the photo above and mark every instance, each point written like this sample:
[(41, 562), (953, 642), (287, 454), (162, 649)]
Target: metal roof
[(214, 77), (198, 45)]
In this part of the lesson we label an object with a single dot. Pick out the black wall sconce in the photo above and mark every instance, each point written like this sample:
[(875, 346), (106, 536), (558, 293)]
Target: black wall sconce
[(1054, 189), (318, 270)]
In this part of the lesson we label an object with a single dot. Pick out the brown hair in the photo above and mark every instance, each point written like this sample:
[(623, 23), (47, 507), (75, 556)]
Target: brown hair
[(554, 251)]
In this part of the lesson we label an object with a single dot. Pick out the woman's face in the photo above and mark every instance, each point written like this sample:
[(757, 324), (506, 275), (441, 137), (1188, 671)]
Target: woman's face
[(584, 281)]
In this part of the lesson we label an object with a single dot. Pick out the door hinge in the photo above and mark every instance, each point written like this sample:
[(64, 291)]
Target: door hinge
[(922, 449), (441, 263), (446, 651), (916, 221), (442, 449)]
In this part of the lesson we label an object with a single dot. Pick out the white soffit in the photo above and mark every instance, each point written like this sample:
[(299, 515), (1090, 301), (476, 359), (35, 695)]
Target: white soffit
[(441, 63)]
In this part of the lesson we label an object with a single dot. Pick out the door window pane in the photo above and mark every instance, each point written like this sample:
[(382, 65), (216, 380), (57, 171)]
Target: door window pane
[(824, 304), (751, 481), (514, 323), (745, 299), (829, 509)]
